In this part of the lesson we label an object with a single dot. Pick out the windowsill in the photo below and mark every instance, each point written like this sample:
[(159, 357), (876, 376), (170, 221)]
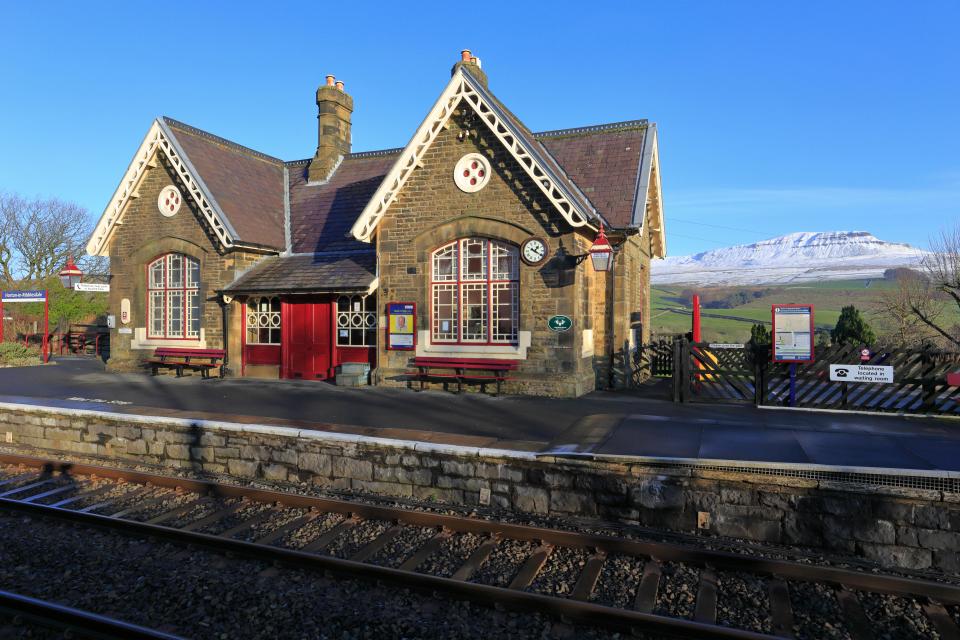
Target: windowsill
[(508, 352), (141, 341)]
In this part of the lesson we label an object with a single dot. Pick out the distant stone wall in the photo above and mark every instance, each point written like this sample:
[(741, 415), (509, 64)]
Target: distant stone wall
[(910, 528)]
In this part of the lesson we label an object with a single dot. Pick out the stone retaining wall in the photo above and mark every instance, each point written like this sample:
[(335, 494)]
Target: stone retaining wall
[(910, 528)]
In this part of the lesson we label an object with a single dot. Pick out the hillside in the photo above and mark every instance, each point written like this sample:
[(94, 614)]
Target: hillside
[(671, 314), (793, 258)]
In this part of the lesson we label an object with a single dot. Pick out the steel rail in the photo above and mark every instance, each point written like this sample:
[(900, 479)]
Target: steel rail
[(51, 614), (575, 609)]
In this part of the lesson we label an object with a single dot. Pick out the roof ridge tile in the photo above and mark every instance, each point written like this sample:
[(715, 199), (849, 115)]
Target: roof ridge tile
[(220, 140), (610, 126)]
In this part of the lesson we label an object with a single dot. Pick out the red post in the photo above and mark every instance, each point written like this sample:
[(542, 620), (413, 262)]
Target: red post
[(696, 318), (46, 326)]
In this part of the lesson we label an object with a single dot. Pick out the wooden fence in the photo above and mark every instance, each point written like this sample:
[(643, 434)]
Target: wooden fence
[(710, 373)]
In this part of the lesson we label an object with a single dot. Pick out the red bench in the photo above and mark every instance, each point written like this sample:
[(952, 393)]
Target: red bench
[(202, 360), (464, 370)]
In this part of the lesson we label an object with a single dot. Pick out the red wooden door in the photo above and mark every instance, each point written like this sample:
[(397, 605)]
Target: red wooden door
[(306, 340)]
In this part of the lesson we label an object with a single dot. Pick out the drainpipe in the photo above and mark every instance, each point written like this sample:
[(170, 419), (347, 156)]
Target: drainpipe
[(613, 317), (226, 333)]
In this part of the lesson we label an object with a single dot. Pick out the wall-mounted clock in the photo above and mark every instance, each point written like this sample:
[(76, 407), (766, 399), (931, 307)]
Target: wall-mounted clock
[(534, 251)]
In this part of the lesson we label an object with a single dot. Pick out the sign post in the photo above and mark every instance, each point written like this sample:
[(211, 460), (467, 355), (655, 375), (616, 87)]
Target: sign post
[(36, 295), (792, 338)]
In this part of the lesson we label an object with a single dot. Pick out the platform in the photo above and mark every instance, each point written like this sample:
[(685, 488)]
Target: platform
[(598, 425)]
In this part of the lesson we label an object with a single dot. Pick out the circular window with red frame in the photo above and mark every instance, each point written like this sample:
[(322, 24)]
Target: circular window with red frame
[(472, 172), (169, 201)]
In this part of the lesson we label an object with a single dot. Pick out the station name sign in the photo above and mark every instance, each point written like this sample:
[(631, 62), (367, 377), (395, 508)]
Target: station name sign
[(38, 295), (861, 373)]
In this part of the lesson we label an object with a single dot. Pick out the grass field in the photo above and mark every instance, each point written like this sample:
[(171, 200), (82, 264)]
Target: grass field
[(671, 314)]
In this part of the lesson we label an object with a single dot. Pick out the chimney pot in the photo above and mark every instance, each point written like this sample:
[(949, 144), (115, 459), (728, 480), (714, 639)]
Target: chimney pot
[(340, 85), (465, 55), (330, 81)]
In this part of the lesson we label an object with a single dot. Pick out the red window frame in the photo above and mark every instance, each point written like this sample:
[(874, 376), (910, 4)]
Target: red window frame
[(488, 282), (184, 290)]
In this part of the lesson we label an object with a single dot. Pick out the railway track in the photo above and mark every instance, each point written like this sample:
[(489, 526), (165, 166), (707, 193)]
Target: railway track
[(74, 622), (659, 588)]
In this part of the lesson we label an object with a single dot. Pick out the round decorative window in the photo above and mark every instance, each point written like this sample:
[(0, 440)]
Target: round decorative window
[(472, 172), (169, 201)]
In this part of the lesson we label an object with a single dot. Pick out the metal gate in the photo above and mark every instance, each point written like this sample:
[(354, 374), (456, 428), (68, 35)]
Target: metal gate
[(708, 373)]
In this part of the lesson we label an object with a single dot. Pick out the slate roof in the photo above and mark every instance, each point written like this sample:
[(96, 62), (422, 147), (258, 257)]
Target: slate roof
[(246, 184), (342, 271), (321, 214), (599, 165), (604, 162)]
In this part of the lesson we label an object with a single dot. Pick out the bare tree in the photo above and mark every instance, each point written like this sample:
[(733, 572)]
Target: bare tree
[(38, 235), (896, 307), (10, 205), (942, 267)]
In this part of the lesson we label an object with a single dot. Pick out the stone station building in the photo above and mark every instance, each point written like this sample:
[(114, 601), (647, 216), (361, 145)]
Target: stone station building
[(470, 242)]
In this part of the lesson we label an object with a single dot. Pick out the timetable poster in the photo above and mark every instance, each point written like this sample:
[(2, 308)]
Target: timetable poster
[(401, 322)]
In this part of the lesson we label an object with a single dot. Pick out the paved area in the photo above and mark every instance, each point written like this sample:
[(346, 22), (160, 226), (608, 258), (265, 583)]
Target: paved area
[(598, 424)]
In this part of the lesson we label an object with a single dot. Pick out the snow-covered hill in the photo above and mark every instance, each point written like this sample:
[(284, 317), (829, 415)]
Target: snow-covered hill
[(795, 257)]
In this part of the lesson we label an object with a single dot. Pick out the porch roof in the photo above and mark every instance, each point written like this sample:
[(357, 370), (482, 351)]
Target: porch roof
[(308, 273)]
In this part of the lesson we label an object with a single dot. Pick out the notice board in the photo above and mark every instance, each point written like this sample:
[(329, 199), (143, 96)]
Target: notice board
[(401, 326), (792, 332)]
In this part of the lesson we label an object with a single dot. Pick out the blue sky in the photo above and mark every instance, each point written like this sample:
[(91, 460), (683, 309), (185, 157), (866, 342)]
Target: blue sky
[(773, 117)]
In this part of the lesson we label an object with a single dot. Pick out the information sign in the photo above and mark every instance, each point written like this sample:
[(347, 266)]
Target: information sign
[(792, 332), (39, 295), (91, 286), (401, 326), (861, 373), (559, 323)]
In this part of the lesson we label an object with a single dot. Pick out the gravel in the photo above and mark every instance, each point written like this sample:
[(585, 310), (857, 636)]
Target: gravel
[(14, 629), (504, 563), (895, 618), (678, 590), (451, 555), (618, 581), (559, 574), (814, 608), (219, 597), (306, 534), (355, 538), (404, 545), (742, 602)]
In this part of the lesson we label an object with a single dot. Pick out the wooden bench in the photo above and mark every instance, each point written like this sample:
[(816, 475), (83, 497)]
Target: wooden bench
[(464, 370), (202, 360)]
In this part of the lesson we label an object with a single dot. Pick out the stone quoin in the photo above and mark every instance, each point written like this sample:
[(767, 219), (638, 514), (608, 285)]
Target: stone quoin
[(290, 267)]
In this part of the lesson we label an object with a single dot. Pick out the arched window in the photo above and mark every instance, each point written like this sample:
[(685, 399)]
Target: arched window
[(173, 297), (263, 320), (474, 292), (356, 321)]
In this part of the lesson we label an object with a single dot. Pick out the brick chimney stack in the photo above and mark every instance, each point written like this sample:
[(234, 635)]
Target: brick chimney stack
[(334, 107), (470, 63)]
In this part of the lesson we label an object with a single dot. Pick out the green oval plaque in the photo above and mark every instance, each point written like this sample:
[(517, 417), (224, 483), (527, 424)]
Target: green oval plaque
[(559, 323)]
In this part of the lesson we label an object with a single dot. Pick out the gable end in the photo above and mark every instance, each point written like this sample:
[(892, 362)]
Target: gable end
[(159, 138), (574, 209)]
